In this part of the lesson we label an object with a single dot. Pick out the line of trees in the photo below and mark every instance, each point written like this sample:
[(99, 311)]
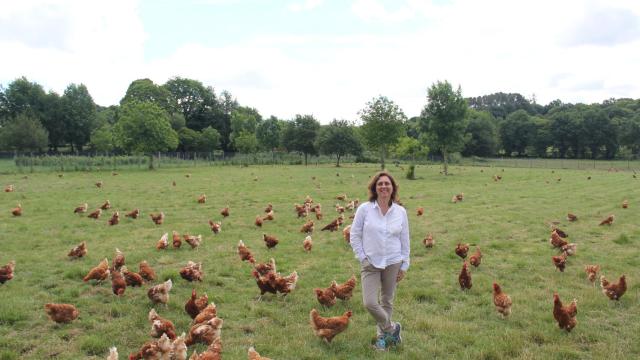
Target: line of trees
[(185, 115)]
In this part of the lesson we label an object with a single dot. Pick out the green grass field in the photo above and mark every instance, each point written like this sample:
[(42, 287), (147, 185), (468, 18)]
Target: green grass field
[(508, 219)]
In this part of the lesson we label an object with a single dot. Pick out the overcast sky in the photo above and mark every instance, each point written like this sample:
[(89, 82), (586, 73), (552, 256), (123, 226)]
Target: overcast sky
[(328, 57)]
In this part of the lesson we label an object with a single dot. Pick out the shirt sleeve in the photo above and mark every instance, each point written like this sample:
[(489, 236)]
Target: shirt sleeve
[(356, 233), (405, 246)]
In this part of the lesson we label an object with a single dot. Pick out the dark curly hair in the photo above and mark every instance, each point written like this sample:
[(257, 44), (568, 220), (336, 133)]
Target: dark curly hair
[(373, 195)]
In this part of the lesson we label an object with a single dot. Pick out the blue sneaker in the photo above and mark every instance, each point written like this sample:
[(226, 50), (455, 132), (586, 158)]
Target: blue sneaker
[(395, 335), (381, 343)]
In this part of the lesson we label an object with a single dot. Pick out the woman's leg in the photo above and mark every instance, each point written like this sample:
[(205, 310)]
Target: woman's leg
[(380, 281), (371, 279), (388, 290)]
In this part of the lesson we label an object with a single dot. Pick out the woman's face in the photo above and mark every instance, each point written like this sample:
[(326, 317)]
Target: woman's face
[(384, 187)]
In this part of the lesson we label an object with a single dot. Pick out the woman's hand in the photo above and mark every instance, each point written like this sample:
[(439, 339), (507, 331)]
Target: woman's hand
[(400, 275)]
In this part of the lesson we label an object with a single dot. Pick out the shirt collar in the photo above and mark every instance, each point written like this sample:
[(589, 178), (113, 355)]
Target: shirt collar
[(375, 204)]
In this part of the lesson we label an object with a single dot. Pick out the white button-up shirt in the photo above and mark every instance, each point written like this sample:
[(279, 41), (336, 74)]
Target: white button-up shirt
[(383, 240)]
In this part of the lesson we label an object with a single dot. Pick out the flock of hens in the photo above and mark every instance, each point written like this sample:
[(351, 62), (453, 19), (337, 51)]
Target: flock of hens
[(206, 326)]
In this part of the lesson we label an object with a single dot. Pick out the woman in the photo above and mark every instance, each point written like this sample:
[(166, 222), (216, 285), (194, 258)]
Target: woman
[(380, 241)]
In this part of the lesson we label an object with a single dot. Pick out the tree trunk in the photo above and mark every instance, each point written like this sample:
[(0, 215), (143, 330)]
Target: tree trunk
[(338, 163), (305, 159), (444, 160), (382, 155)]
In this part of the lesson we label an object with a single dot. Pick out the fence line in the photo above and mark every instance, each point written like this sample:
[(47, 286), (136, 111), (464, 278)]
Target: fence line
[(110, 162)]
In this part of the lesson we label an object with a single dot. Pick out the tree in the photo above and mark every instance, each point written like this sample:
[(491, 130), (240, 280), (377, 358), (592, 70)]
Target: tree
[(412, 127), (565, 130), (542, 139), (22, 96), (339, 139), (500, 105), (410, 147), (79, 115), (24, 133), (599, 133), (144, 90), (444, 119), (246, 142), (177, 121), (144, 127), (630, 133), (200, 107), (102, 138), (244, 120), (382, 125), (228, 102), (53, 119), (300, 135), (268, 133), (481, 133), (517, 132), (210, 140), (196, 102), (188, 139)]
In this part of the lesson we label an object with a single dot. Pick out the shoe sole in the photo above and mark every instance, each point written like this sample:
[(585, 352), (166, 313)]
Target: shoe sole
[(399, 335)]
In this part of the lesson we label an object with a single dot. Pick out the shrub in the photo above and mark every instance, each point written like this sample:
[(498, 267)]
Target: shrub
[(411, 172)]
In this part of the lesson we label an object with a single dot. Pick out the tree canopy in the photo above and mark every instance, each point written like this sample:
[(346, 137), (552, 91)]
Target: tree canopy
[(144, 90), (382, 125), (268, 133), (506, 124), (144, 127), (300, 135), (24, 133), (79, 115), (444, 119), (339, 139), (482, 134)]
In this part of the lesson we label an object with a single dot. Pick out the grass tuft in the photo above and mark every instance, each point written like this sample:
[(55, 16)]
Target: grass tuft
[(95, 345), (622, 239)]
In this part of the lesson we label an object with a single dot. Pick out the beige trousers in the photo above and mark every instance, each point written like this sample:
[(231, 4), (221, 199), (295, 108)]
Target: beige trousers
[(382, 281)]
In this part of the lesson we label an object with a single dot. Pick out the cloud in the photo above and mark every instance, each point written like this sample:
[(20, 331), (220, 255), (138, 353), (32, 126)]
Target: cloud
[(374, 10), (56, 43), (42, 27), (305, 5), (605, 27), (485, 47)]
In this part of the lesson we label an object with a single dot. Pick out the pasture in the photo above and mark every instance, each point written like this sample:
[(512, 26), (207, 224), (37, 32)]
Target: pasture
[(509, 219)]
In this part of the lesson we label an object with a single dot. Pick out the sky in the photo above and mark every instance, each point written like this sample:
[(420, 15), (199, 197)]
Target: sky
[(328, 58)]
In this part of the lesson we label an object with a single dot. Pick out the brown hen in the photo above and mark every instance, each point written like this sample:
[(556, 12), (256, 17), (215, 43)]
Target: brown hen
[(244, 253), (6, 272), (465, 277), (61, 313), (195, 305), (270, 240), (161, 326), (99, 273), (565, 315), (462, 250), (326, 297), (192, 271), (501, 301), (327, 328), (78, 251), (614, 291), (146, 271), (344, 291)]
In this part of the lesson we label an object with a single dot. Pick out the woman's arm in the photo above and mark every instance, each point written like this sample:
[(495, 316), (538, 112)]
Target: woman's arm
[(356, 233), (405, 246)]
